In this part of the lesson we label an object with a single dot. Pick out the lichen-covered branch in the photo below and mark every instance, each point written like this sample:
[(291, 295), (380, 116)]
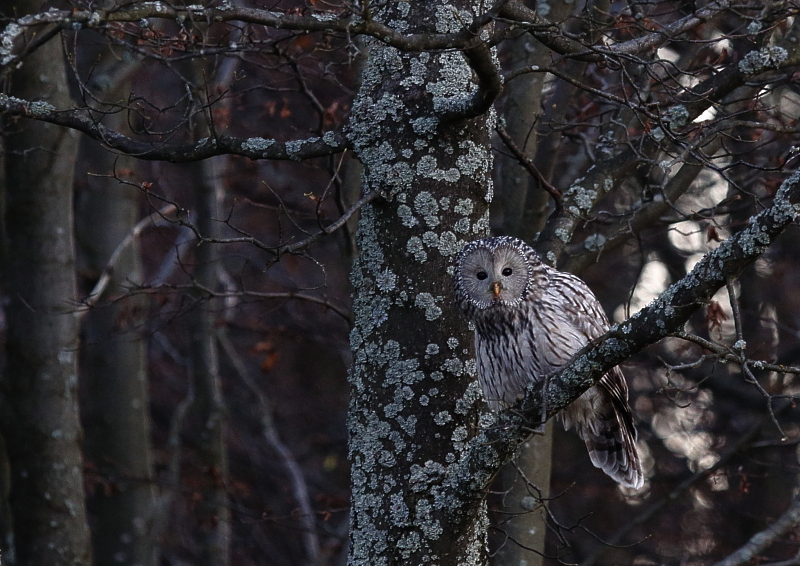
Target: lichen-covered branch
[(550, 36), (490, 84), (614, 235), (164, 150), (322, 21), (726, 354), (352, 24), (496, 444)]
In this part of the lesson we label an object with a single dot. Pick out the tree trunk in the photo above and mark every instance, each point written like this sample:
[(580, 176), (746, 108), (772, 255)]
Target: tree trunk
[(40, 405), (525, 485), (115, 366), (414, 398), (208, 406)]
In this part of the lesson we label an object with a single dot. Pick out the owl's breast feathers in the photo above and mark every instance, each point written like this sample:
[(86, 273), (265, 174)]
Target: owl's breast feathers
[(507, 356)]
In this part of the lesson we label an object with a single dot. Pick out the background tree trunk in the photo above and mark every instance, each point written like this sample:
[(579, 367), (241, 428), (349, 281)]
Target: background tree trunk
[(115, 367), (40, 404), (208, 406)]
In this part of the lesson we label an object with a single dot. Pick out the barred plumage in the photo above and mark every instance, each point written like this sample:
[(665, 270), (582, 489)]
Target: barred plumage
[(529, 320)]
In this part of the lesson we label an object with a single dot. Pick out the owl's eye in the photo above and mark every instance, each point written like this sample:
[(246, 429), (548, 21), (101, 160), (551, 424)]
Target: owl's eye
[(481, 275), (507, 271)]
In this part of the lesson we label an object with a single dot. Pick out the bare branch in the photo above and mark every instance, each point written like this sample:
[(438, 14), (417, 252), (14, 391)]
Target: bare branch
[(745, 441), (553, 38), (362, 24), (580, 198), (760, 541), (154, 219), (320, 21), (293, 248), (287, 459), (346, 315), (341, 221), (323, 301), (527, 162), (726, 355), (612, 236)]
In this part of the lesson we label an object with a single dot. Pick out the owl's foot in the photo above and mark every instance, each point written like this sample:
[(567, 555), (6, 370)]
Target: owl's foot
[(532, 426), (538, 430)]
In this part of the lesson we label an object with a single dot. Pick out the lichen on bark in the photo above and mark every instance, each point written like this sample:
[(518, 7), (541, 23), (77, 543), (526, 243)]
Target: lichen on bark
[(413, 403)]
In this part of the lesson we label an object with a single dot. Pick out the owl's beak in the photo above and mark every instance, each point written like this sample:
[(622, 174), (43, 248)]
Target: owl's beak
[(495, 287)]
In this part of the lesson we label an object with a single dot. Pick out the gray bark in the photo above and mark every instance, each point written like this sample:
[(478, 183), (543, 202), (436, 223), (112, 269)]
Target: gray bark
[(525, 204), (40, 405), (115, 365), (208, 405), (414, 400)]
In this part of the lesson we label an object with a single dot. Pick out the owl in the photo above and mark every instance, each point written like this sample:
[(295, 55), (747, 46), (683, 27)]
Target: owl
[(529, 321)]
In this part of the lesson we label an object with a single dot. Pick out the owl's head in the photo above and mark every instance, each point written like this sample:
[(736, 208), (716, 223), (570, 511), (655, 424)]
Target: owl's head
[(494, 272)]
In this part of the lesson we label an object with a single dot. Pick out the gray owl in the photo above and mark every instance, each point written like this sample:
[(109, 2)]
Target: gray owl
[(529, 321)]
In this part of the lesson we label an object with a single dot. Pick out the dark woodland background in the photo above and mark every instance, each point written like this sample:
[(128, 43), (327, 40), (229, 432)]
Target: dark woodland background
[(720, 465)]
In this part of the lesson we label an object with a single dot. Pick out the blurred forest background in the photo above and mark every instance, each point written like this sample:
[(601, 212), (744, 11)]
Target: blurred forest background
[(211, 308)]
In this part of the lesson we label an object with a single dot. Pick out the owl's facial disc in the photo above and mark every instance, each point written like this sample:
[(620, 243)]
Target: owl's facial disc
[(497, 277)]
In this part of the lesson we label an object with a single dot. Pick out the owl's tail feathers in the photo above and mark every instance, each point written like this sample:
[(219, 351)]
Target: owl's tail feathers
[(612, 448), (602, 417)]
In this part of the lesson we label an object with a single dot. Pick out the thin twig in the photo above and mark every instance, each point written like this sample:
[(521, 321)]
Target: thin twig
[(765, 538), (736, 355), (161, 150), (155, 219), (302, 244), (527, 162), (725, 355), (294, 248), (290, 465)]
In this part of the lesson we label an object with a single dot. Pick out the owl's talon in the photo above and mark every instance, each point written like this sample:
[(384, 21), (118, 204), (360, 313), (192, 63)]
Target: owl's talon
[(539, 430)]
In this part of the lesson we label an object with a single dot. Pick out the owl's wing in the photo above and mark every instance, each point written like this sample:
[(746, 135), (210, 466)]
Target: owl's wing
[(601, 416), (570, 316)]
